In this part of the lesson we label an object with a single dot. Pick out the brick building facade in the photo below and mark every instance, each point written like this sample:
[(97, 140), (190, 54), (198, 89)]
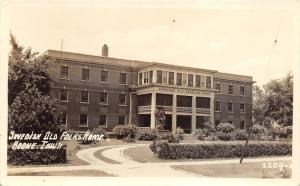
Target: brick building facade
[(103, 91)]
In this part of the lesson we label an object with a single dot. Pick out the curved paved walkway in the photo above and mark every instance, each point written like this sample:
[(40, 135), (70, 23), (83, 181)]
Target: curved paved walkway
[(131, 168)]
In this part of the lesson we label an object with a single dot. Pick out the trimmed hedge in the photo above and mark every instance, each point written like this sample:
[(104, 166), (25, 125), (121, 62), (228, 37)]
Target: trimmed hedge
[(122, 131), (36, 156), (220, 150)]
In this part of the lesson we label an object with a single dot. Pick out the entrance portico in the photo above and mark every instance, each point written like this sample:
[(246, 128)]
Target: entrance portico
[(185, 107)]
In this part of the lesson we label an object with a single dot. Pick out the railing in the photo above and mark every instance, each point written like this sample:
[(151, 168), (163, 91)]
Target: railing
[(165, 108), (184, 110), (143, 128), (202, 110), (143, 109)]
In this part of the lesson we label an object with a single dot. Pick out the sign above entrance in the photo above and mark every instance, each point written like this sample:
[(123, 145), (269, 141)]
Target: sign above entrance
[(183, 91)]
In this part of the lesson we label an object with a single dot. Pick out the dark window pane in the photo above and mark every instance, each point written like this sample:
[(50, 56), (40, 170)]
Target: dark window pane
[(63, 118), (140, 78), (151, 77), (171, 78), (190, 80), (159, 76), (103, 97), (63, 95), (85, 74), (218, 87), (123, 78), (179, 79), (230, 107), (218, 106), (83, 119), (242, 91), (230, 89), (242, 107), (102, 120), (122, 99), (84, 96), (242, 125), (208, 82), (184, 101), (202, 102), (121, 120), (198, 80), (104, 76)]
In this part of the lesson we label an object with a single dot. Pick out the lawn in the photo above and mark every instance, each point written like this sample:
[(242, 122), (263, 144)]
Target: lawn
[(234, 170), (64, 173)]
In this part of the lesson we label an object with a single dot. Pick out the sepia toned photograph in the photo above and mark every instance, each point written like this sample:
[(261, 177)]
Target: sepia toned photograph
[(107, 89)]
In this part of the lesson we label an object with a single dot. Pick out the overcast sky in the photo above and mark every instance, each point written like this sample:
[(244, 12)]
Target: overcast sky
[(228, 37)]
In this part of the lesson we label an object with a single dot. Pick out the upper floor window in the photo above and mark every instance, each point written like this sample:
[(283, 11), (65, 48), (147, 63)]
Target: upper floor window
[(242, 107), (122, 99), (230, 89), (165, 77), (171, 78), (242, 91), (84, 97), (146, 77), (84, 119), (184, 79), (198, 81), (64, 72), (218, 106), (140, 78), (85, 74), (63, 95), (179, 79), (103, 97), (159, 76), (190, 80), (230, 107), (123, 78), (208, 82), (218, 87), (104, 76), (151, 76), (202, 81)]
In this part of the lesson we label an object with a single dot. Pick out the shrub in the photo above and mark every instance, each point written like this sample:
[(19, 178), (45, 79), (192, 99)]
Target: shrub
[(36, 156), (208, 128), (148, 135), (179, 133), (286, 132), (212, 137), (258, 130), (170, 137), (220, 150), (199, 134), (241, 135), (122, 131), (157, 145), (225, 136), (225, 131)]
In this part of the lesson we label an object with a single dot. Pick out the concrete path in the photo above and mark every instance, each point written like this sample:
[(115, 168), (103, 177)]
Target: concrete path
[(131, 168)]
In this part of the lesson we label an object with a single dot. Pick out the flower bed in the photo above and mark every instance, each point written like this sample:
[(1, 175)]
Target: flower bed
[(220, 150)]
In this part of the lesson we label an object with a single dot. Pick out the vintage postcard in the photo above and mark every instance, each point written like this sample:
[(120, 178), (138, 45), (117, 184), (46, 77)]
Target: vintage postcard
[(113, 92)]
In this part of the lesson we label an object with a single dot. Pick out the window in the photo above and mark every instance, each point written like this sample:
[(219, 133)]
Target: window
[(230, 121), (203, 81), (179, 79), (242, 91), (190, 80), (230, 89), (85, 74), (140, 78), (122, 99), (123, 78), (84, 98), (208, 82), (165, 77), (104, 76), (102, 120), (218, 106), (218, 87), (242, 107), (64, 72), (217, 122), (103, 98), (184, 79), (242, 125), (63, 118), (198, 80), (83, 119), (121, 120), (146, 77), (159, 76), (230, 109), (151, 76), (63, 95), (171, 78)]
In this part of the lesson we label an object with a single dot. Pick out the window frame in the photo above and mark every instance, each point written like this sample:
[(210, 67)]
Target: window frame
[(218, 87), (61, 72), (244, 125), (242, 87), (216, 106), (101, 73), (159, 79), (190, 80), (230, 103), (82, 74), (103, 103), (61, 94), (120, 80), (179, 83), (230, 92), (171, 77), (101, 115), (87, 120), (88, 96), (244, 108), (125, 103), (124, 120)]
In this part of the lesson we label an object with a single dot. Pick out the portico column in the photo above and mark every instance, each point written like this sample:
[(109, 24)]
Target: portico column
[(174, 110), (153, 108), (193, 113), (212, 109)]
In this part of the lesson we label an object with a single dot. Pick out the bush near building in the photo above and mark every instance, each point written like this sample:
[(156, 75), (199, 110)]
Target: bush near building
[(225, 131), (123, 131), (241, 135), (147, 135), (165, 150)]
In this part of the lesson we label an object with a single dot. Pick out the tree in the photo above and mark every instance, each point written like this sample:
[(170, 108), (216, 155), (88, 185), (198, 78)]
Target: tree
[(258, 105), (31, 108), (279, 100), (258, 130), (160, 119)]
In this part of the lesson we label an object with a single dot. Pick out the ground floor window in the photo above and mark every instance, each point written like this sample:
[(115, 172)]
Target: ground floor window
[(242, 125), (83, 119), (102, 120), (121, 120)]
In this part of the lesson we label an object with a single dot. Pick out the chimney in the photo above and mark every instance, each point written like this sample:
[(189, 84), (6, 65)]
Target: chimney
[(105, 50)]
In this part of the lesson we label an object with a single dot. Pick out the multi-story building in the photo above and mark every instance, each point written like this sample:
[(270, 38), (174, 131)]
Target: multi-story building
[(103, 91)]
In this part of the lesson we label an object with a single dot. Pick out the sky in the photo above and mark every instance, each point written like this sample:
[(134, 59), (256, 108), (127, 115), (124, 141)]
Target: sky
[(226, 36)]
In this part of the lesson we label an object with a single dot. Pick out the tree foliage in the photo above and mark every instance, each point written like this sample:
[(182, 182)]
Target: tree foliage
[(31, 108)]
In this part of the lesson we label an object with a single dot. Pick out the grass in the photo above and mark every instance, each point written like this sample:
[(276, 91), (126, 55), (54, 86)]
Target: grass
[(233, 170), (64, 173)]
